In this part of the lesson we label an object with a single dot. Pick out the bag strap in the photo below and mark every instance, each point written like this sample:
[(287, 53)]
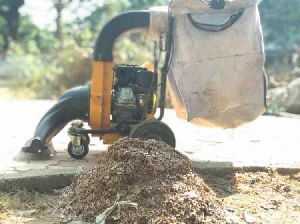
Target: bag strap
[(217, 4), (216, 28)]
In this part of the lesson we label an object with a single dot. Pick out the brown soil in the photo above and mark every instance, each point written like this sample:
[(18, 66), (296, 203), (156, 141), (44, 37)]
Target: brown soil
[(153, 175), (27, 207), (267, 197), (276, 201)]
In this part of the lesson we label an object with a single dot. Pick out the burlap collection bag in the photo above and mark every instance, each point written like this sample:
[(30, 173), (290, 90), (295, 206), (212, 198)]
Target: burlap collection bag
[(216, 73)]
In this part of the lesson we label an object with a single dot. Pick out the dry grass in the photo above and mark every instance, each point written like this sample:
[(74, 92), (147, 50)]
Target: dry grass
[(26, 207)]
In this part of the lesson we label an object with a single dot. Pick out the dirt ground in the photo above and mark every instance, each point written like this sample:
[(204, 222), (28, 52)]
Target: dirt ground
[(259, 197), (248, 197)]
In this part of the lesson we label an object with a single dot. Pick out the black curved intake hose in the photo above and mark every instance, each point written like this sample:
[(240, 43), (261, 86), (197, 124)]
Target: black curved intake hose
[(115, 28), (73, 105)]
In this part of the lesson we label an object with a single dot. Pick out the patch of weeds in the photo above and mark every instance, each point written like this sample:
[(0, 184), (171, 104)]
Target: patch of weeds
[(22, 200)]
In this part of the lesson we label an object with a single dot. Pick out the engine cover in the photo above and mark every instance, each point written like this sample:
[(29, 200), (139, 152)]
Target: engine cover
[(125, 107), (133, 91)]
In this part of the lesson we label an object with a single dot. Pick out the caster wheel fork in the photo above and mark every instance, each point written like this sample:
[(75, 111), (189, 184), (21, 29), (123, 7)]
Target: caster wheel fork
[(78, 147)]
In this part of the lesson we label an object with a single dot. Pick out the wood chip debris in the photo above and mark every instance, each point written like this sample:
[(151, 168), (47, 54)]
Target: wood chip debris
[(149, 174)]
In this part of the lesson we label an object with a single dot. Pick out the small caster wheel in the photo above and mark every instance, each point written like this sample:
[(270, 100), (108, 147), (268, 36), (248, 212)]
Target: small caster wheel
[(154, 129), (78, 152), (87, 138)]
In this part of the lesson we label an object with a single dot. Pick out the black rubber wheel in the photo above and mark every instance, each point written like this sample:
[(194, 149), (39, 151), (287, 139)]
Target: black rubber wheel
[(79, 153), (154, 129)]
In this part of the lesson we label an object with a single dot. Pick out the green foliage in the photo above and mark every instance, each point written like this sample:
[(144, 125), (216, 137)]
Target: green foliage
[(280, 19), (2, 31), (4, 6), (48, 75), (73, 67), (48, 70), (33, 38), (133, 49), (277, 100), (42, 66), (3, 35), (9, 21), (144, 4), (101, 15)]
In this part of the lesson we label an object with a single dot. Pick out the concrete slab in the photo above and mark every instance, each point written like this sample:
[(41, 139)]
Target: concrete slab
[(268, 142)]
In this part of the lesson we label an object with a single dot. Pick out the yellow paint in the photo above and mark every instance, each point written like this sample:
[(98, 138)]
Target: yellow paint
[(150, 116), (111, 138), (100, 97), (154, 103), (96, 95), (148, 66), (107, 92)]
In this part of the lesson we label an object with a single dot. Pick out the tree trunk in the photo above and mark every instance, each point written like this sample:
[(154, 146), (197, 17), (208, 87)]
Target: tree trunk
[(59, 7), (9, 31)]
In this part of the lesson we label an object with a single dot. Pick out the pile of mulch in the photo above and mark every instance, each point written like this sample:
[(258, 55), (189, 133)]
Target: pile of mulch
[(151, 174)]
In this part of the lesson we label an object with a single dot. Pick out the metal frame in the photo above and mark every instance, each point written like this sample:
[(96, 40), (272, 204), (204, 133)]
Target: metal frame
[(101, 85)]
